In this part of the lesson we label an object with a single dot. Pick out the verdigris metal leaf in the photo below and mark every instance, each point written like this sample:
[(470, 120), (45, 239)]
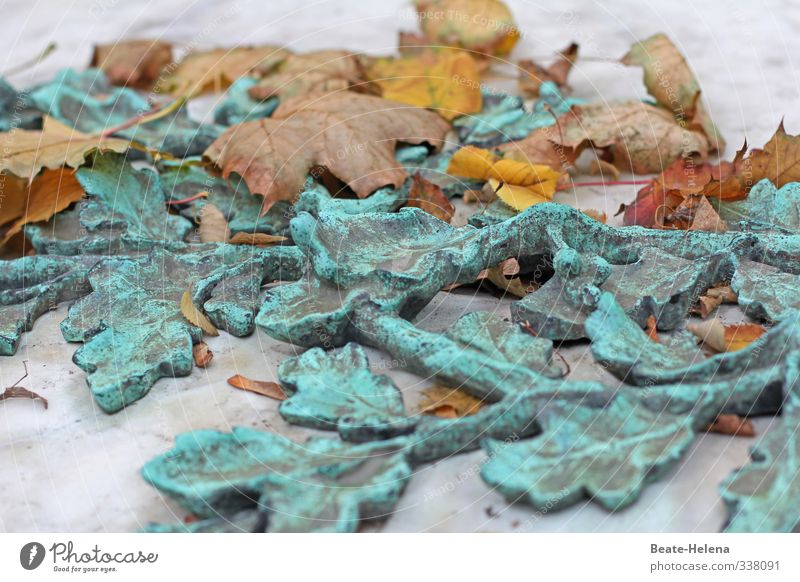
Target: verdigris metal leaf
[(15, 110), (184, 179), (766, 208), (765, 292), (764, 496), (131, 324), (31, 286), (212, 473), (125, 210), (504, 117), (238, 106), (339, 391), (87, 102), (604, 446)]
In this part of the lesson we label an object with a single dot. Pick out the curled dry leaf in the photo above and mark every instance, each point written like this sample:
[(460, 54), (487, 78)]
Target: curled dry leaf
[(20, 392), (430, 198), (202, 354), (352, 135), (726, 337), (313, 73), (712, 299), (732, 424), (640, 138), (446, 402), (258, 239), (447, 82), (482, 26), (705, 217), (532, 75), (213, 224), (598, 215), (668, 78), (195, 316), (598, 167), (270, 389), (651, 329), (518, 184), (500, 274), (135, 63)]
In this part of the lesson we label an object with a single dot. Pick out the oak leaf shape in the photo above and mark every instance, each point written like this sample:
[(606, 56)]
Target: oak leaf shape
[(352, 135)]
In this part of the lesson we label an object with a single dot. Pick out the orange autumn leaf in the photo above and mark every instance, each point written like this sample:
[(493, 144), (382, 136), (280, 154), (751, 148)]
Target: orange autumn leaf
[(430, 198), (135, 63), (446, 402), (51, 192), (269, 389)]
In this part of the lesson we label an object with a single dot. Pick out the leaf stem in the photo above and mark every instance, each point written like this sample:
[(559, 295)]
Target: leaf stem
[(602, 183), (152, 115)]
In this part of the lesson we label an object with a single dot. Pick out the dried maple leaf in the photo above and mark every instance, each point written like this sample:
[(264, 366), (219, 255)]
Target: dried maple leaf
[(213, 224), (668, 78), (215, 70), (532, 75), (195, 316), (27, 152), (314, 73), (350, 134), (430, 198), (202, 354), (448, 83), (270, 389), (778, 161), (726, 337), (258, 239), (447, 402), (732, 424), (135, 63), (482, 26), (639, 137), (20, 392)]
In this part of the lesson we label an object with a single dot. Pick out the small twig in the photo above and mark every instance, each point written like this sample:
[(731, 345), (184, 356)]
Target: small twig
[(566, 363), (32, 62), (145, 117), (189, 199), (25, 364)]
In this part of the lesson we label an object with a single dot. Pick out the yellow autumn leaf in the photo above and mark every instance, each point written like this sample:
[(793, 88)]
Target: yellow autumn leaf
[(195, 316), (471, 162), (448, 83), (521, 197), (521, 173)]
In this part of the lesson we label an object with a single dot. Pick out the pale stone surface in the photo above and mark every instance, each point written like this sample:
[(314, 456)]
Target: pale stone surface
[(74, 468)]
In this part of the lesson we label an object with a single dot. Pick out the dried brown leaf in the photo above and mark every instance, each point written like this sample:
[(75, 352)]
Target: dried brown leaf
[(258, 239), (20, 392), (732, 424), (202, 354), (533, 75), (195, 316), (213, 224), (270, 389), (135, 63), (352, 135), (430, 198), (446, 402), (726, 337)]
